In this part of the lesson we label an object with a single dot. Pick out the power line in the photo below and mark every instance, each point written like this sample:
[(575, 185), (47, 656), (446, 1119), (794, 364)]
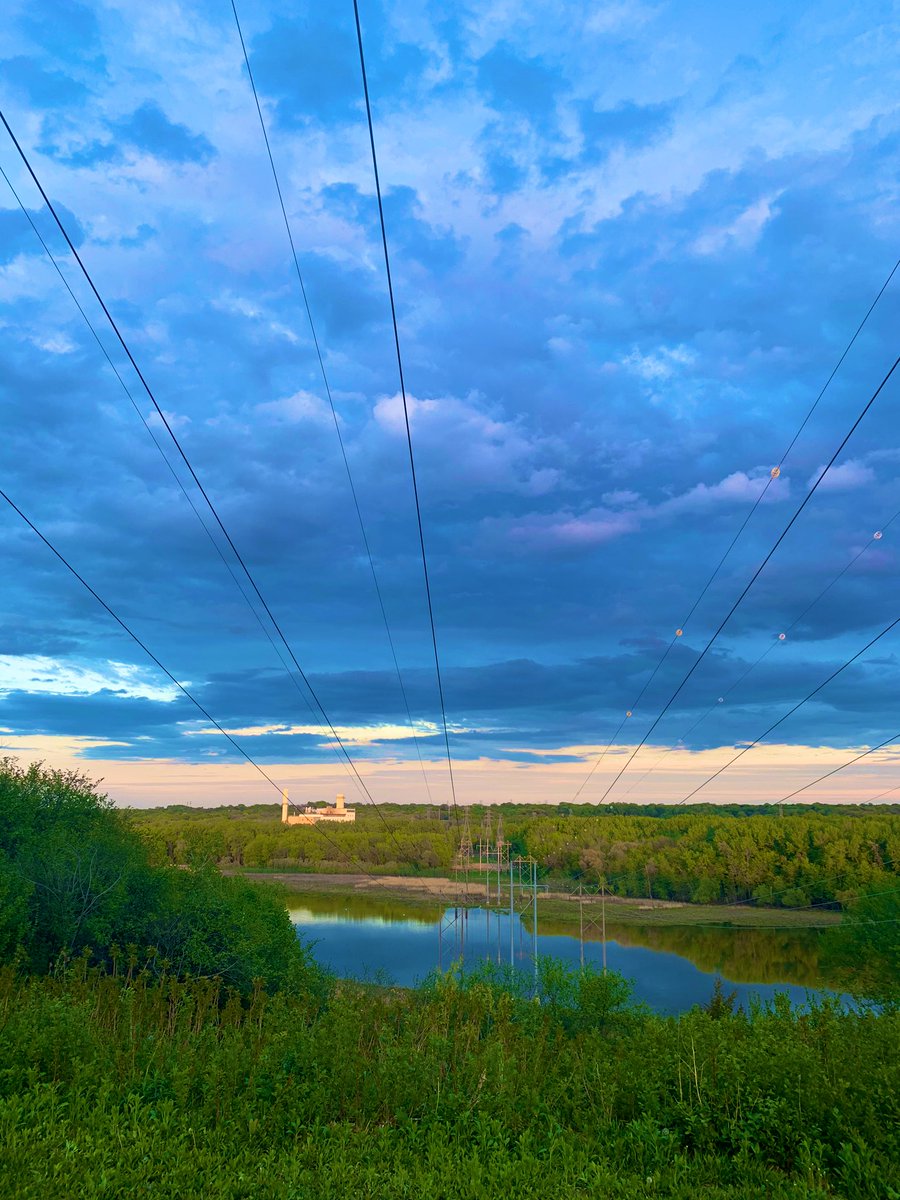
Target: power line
[(172, 471), (875, 537), (895, 737), (887, 629), (773, 475), (165, 670), (412, 461), (187, 463), (887, 862), (753, 578), (776, 471), (887, 791), (327, 386)]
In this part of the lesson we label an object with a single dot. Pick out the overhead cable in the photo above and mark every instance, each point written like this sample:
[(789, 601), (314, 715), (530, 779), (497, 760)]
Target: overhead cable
[(890, 741), (887, 791), (774, 474), (756, 574), (809, 696), (147, 426), (776, 641), (326, 384), (165, 670), (161, 414), (412, 461)]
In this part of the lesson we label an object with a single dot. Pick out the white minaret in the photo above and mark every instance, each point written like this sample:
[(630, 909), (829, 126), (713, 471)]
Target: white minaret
[(284, 807), (339, 803)]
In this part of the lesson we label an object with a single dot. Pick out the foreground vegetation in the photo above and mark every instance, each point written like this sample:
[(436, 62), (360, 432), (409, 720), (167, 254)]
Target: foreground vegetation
[(810, 855), (75, 878), (130, 1087), (164, 1034)]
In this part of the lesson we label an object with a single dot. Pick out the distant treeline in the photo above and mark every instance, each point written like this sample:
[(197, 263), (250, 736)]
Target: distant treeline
[(705, 854)]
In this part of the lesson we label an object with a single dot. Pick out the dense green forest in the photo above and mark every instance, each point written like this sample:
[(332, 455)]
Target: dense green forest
[(163, 1033), (708, 854)]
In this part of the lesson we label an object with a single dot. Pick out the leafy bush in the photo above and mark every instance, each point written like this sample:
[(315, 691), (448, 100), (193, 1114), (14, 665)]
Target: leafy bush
[(135, 1086), (75, 877)]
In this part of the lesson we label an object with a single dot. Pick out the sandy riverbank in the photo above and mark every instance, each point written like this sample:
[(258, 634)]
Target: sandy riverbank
[(560, 905)]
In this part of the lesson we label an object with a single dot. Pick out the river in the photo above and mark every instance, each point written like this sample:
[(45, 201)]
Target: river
[(672, 967)]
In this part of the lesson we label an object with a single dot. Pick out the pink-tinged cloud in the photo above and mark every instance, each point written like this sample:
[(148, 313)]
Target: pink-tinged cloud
[(628, 512), (739, 487), (592, 530), (561, 531)]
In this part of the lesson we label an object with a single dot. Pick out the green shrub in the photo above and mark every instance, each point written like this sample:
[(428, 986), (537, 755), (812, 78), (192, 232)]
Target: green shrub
[(128, 1085), (76, 878)]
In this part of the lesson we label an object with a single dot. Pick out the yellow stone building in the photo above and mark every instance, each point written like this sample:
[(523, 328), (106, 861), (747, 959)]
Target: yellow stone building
[(310, 814)]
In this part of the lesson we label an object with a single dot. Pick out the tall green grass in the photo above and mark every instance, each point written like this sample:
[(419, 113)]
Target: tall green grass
[(120, 1084)]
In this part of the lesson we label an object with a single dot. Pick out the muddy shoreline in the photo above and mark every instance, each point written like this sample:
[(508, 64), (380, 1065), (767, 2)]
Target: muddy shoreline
[(560, 905)]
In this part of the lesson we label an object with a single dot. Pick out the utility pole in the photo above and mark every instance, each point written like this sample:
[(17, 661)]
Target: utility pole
[(528, 887), (603, 919), (581, 923), (449, 921), (502, 852), (585, 922), (485, 838), (534, 932)]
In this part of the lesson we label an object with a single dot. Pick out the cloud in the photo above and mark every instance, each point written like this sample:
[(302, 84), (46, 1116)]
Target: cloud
[(626, 512), (741, 233), (627, 251), (513, 83), (148, 129), (310, 66), (611, 17), (629, 124), (489, 454), (42, 85), (57, 344), (659, 365), (177, 421), (567, 531), (301, 408), (350, 735), (41, 674), (845, 477), (739, 487)]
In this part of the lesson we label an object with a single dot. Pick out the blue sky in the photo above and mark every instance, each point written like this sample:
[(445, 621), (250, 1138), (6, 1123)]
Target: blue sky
[(630, 241)]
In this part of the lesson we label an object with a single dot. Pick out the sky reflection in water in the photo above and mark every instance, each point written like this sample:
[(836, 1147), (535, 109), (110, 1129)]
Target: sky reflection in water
[(402, 945)]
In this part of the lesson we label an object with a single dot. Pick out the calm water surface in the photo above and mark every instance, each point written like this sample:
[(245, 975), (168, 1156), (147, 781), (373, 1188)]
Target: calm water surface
[(673, 967)]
